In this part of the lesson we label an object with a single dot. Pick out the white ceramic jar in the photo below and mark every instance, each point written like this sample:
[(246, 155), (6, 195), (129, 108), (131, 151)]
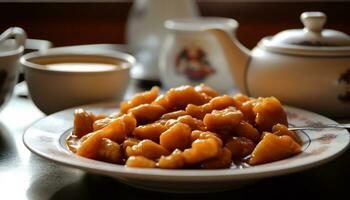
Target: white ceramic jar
[(191, 56)]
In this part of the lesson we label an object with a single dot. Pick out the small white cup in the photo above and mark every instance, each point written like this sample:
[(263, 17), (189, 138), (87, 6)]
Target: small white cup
[(54, 90), (11, 48)]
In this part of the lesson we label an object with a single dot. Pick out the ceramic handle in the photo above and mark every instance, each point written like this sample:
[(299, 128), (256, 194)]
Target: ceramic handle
[(17, 33), (313, 21)]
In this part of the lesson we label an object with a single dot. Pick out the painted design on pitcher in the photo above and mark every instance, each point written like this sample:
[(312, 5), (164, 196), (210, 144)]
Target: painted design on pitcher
[(345, 78), (194, 64)]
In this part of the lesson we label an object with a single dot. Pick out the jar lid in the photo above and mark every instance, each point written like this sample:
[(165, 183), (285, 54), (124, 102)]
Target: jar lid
[(311, 40)]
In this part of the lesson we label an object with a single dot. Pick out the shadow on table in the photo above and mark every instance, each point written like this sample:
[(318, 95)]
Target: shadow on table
[(7, 146), (101, 187)]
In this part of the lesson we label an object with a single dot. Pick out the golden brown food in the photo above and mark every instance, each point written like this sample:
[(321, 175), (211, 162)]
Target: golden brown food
[(272, 148), (222, 120), (148, 149), (109, 151), (269, 112), (201, 150), (206, 90), (129, 142), (138, 99), (83, 122), (140, 161), (182, 96), (176, 137), (244, 129), (173, 161), (187, 127), (193, 123), (222, 160), (173, 115), (280, 129), (150, 131), (147, 113), (240, 147)]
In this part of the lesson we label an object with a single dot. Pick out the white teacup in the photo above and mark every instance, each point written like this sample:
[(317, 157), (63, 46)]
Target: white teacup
[(59, 79), (11, 48)]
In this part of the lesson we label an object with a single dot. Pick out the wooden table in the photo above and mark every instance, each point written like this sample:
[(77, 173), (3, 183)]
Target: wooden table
[(24, 175)]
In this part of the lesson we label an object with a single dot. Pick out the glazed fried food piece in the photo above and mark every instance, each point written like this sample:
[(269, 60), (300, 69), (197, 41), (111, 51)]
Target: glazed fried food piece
[(147, 113), (201, 149), (217, 103), (280, 129), (150, 131), (244, 129), (176, 137), (222, 120), (162, 100), (269, 112), (184, 128), (115, 131), (247, 110), (272, 148), (197, 134), (240, 147), (148, 149), (138, 99), (109, 151), (180, 97), (129, 142), (173, 161), (173, 115), (193, 123), (222, 160), (140, 161), (204, 89), (83, 123)]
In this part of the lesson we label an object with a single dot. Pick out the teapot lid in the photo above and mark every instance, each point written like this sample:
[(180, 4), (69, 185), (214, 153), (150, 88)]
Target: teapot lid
[(312, 40)]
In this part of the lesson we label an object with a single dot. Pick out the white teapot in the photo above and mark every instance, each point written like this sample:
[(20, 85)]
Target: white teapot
[(308, 68)]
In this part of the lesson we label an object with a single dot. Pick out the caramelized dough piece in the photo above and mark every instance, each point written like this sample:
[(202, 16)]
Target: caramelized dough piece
[(148, 149), (272, 148), (109, 151), (193, 123), (138, 99), (173, 115), (83, 121), (150, 131), (115, 131), (102, 121), (240, 147), (129, 142), (176, 137), (222, 120), (201, 150), (147, 113), (174, 161), (247, 110), (140, 161), (269, 112), (217, 103), (241, 98), (197, 134), (180, 97), (206, 90), (163, 101), (244, 129), (280, 129), (222, 160)]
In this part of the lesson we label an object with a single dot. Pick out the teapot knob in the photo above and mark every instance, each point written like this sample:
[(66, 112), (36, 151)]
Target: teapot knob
[(313, 21)]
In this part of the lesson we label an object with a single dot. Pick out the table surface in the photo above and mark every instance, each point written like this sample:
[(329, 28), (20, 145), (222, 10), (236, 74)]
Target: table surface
[(24, 175)]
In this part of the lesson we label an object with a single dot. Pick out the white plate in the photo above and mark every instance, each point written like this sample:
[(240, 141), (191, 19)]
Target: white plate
[(46, 138)]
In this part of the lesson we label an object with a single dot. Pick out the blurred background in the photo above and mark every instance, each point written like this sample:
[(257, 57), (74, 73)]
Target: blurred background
[(93, 21)]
